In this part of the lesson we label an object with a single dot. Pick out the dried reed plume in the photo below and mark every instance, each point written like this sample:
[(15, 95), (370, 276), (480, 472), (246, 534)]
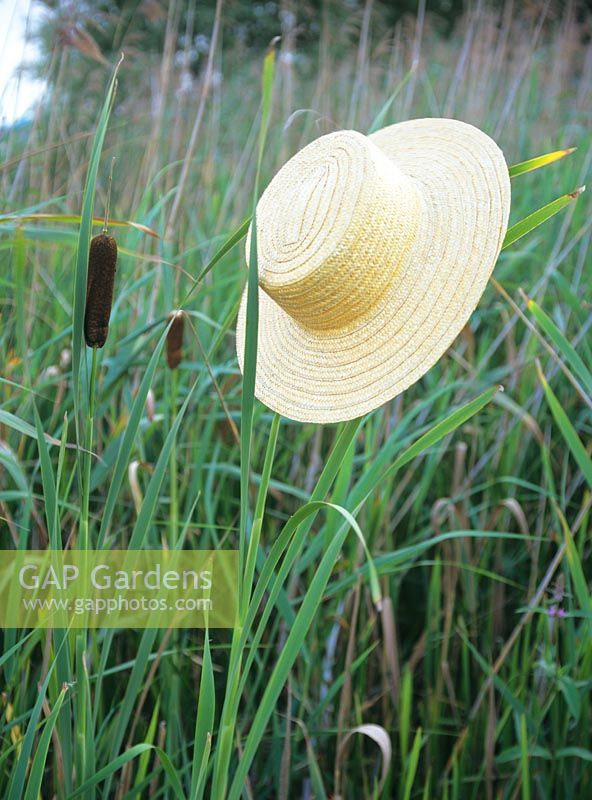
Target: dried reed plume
[(174, 342)]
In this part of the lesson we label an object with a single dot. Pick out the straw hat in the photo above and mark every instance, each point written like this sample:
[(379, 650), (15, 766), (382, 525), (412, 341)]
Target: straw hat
[(372, 253)]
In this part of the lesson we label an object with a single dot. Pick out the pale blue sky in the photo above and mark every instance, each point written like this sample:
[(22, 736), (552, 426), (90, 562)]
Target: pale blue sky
[(17, 96)]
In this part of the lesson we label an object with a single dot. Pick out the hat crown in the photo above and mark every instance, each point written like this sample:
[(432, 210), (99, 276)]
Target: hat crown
[(333, 228)]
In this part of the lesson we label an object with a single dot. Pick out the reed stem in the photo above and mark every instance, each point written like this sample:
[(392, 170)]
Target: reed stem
[(88, 439), (174, 498)]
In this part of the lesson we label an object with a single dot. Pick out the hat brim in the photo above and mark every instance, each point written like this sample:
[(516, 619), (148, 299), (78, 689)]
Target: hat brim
[(464, 186)]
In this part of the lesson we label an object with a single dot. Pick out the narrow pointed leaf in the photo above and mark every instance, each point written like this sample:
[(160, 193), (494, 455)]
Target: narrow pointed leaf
[(537, 218), (568, 431), (539, 161), (565, 348)]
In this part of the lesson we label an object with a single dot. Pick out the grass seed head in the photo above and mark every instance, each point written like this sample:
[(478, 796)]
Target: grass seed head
[(102, 264), (174, 342)]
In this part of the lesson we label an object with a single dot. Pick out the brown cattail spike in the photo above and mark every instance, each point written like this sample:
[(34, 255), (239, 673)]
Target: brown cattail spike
[(175, 339), (102, 264)]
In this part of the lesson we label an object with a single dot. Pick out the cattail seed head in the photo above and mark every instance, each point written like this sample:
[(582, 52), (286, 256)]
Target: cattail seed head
[(174, 342), (102, 263)]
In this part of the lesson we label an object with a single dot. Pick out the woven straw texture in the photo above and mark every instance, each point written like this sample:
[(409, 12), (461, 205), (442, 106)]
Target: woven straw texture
[(372, 253)]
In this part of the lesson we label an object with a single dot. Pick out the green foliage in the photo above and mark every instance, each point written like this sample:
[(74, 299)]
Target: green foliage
[(424, 570)]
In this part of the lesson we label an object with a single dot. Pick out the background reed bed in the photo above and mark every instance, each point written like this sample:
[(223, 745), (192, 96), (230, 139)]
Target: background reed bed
[(415, 602)]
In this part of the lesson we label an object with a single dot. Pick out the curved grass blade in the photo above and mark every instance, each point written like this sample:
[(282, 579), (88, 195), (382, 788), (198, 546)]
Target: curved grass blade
[(127, 442), (249, 378), (20, 426), (151, 496), (290, 541), (566, 349), (378, 121), (576, 570), (539, 161), (389, 563), (537, 218), (17, 783), (204, 723), (76, 219), (252, 324), (253, 545), (126, 709), (443, 428), (382, 739), (231, 242), (123, 759), (411, 765), (38, 765), (568, 431), (48, 482), (144, 761)]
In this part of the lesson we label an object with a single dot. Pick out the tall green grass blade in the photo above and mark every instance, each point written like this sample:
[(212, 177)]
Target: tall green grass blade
[(576, 571), (290, 541), (379, 119), (144, 760), (225, 737), (255, 536), (567, 430), (38, 764), (7, 655), (146, 514), (171, 773), (524, 770), (499, 684), (411, 765), (332, 691), (539, 161), (111, 768), (316, 777), (441, 429), (83, 721), (76, 219), (537, 218), (565, 348), (406, 697), (20, 426), (49, 484), (127, 442), (266, 97), (252, 311), (248, 392), (127, 705), (20, 263), (17, 783), (204, 723), (116, 764), (228, 245)]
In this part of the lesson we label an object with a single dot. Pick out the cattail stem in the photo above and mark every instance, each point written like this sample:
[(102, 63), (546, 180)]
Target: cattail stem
[(108, 203), (174, 357), (88, 439), (174, 499)]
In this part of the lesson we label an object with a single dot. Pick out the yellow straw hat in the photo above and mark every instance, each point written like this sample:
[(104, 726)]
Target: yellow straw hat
[(372, 253)]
